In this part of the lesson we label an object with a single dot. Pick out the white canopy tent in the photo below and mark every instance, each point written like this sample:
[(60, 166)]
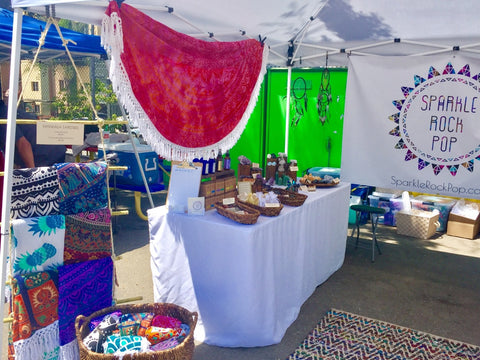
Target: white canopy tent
[(300, 33)]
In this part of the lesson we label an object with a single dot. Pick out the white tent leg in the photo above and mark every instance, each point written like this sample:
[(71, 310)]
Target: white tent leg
[(9, 155), (287, 113), (140, 165)]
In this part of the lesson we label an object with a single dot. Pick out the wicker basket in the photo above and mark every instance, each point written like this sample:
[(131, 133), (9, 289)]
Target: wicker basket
[(250, 217), (290, 198), (417, 223), (263, 210), (183, 351)]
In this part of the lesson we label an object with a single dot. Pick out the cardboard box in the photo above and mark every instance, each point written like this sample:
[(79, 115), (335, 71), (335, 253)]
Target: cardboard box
[(463, 227)]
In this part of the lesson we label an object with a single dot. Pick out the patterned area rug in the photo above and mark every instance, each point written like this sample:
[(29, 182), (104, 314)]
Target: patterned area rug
[(341, 335)]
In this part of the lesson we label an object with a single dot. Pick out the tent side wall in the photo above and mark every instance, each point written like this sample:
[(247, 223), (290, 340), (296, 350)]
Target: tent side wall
[(311, 143)]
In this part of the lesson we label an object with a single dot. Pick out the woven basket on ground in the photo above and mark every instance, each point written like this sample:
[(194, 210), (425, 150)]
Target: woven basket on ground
[(417, 223), (249, 217), (264, 210), (183, 351), (290, 198)]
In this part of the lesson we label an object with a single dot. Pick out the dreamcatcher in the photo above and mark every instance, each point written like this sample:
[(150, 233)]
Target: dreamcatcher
[(324, 97), (300, 99)]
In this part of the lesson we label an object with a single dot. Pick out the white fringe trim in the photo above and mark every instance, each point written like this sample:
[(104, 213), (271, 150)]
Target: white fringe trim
[(70, 351), (43, 344), (112, 41)]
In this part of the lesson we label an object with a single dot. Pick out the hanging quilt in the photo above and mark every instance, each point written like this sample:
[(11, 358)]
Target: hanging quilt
[(83, 287), (87, 236), (34, 192), (35, 303), (187, 96), (83, 187), (37, 243)]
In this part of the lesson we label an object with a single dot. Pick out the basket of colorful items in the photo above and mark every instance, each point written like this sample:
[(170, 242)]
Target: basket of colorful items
[(317, 181), (267, 203), (157, 331)]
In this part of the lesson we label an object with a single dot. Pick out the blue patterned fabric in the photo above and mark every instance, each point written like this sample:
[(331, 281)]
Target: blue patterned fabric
[(83, 187), (84, 288)]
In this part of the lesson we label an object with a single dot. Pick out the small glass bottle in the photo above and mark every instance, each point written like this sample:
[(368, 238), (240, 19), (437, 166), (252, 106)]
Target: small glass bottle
[(227, 161), (219, 161)]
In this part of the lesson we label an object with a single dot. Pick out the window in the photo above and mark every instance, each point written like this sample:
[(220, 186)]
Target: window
[(36, 108), (62, 84), (35, 86)]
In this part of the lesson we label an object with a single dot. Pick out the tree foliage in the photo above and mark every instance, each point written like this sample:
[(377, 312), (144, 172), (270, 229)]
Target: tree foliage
[(72, 102)]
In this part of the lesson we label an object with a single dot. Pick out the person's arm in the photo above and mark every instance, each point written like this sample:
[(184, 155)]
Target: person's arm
[(25, 151)]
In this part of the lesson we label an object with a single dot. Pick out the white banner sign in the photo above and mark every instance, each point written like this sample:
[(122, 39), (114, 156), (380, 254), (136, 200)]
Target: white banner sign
[(413, 123)]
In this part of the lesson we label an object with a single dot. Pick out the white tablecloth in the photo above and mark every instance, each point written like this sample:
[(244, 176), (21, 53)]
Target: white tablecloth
[(248, 282)]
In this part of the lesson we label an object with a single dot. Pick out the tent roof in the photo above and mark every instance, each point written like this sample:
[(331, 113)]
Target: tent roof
[(53, 47), (323, 24)]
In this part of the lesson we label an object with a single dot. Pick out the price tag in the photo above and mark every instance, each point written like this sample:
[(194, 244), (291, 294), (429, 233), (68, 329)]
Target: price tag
[(304, 188), (255, 165), (272, 205), (293, 168), (229, 201)]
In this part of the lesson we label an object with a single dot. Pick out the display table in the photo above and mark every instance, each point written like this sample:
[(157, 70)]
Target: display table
[(248, 282)]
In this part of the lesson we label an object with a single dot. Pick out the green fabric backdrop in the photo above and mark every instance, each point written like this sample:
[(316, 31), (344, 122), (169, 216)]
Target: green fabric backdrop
[(310, 140)]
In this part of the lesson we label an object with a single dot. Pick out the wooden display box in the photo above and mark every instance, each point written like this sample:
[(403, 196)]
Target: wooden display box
[(244, 171), (463, 227), (230, 194), (270, 172), (207, 188), (219, 186), (210, 201), (230, 184)]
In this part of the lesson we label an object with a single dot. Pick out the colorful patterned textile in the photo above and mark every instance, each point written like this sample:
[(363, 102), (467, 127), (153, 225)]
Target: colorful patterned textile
[(156, 334), (129, 324), (38, 243), (119, 345), (145, 323), (342, 335), (35, 303), (83, 187), (165, 345), (188, 97), (42, 345), (166, 321), (87, 236), (94, 341), (96, 321), (83, 288), (34, 192)]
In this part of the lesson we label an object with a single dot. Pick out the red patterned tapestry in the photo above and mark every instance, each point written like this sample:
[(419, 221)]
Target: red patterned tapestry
[(187, 96)]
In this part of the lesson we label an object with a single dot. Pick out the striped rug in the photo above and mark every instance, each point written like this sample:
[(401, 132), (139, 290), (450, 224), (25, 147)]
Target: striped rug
[(341, 335)]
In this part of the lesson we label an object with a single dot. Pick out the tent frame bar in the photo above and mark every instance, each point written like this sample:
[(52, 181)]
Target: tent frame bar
[(9, 155)]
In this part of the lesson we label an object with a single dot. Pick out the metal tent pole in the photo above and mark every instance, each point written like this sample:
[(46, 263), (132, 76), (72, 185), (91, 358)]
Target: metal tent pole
[(9, 152)]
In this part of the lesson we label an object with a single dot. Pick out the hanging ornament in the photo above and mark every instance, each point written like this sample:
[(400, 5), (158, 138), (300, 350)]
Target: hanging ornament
[(324, 97), (300, 102)]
